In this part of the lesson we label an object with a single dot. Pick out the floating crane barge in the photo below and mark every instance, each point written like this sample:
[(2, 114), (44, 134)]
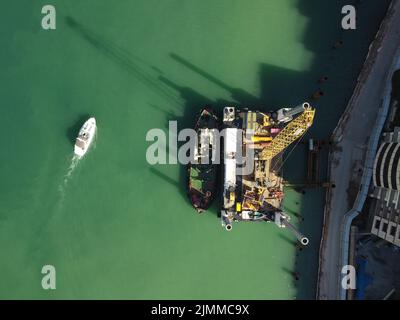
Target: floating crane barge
[(253, 145)]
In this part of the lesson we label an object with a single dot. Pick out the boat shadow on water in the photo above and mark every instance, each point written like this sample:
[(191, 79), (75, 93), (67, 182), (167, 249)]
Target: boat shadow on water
[(192, 102), (72, 132)]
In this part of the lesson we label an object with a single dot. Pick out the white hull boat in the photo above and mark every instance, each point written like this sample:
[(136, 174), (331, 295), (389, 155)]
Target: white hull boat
[(85, 137)]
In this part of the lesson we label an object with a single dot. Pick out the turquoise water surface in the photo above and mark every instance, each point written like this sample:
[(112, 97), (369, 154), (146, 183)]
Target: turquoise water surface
[(114, 226)]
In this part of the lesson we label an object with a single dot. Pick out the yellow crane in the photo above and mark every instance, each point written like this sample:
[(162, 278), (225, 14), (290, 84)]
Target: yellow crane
[(290, 133)]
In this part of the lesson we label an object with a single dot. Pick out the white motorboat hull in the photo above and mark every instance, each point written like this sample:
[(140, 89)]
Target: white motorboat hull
[(85, 137)]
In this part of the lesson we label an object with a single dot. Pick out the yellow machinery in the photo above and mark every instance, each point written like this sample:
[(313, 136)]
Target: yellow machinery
[(253, 199), (232, 196), (260, 138), (289, 134), (266, 122)]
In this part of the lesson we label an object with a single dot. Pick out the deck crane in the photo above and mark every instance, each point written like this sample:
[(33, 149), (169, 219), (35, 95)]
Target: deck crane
[(295, 129), (258, 196)]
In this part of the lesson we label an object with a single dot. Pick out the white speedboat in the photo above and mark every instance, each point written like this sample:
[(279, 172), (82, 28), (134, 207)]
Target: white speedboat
[(85, 137)]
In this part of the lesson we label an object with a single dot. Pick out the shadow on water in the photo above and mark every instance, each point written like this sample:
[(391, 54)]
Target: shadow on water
[(192, 102), (284, 87), (239, 95), (279, 87), (342, 66), (288, 239), (73, 131), (289, 272), (169, 114), (136, 66), (166, 178)]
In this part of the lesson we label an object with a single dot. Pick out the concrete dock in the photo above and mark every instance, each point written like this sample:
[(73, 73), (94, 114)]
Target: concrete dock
[(350, 139)]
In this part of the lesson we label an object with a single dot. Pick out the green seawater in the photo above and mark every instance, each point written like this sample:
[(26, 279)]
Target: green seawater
[(114, 226)]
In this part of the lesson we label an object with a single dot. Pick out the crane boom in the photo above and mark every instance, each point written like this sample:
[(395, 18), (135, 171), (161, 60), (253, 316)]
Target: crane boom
[(289, 134)]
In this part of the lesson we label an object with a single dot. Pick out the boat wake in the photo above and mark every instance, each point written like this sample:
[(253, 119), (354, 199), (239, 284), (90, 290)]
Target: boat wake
[(73, 165), (67, 177), (74, 162)]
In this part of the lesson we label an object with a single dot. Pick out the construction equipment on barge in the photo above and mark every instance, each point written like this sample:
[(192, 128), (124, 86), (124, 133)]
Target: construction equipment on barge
[(202, 170), (253, 146)]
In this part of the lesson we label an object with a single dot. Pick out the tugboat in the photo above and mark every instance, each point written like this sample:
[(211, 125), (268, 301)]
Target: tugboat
[(202, 170)]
